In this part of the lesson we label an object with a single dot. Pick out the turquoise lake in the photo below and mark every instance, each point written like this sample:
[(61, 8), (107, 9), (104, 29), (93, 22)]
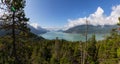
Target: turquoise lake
[(70, 36)]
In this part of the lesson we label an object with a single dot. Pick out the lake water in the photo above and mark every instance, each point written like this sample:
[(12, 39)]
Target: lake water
[(69, 36)]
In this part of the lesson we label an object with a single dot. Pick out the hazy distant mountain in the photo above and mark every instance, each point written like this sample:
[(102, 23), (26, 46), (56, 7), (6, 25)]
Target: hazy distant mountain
[(60, 30), (54, 29), (91, 29), (37, 30)]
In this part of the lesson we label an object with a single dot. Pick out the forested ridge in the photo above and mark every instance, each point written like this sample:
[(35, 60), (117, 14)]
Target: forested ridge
[(20, 46), (41, 51)]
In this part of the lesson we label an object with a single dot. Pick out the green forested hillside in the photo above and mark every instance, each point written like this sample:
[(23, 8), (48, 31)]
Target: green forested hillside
[(20, 46), (31, 51)]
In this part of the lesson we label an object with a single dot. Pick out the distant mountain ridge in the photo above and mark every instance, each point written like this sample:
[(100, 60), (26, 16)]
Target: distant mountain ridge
[(91, 29), (37, 30)]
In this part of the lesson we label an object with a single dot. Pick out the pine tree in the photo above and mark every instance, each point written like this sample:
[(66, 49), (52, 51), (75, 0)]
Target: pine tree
[(14, 21), (14, 14), (92, 51)]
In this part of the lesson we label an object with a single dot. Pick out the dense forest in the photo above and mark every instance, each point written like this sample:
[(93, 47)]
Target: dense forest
[(20, 46), (37, 50)]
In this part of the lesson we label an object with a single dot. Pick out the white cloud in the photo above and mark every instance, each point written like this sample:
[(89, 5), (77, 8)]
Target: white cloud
[(35, 25), (97, 18), (99, 12), (2, 9)]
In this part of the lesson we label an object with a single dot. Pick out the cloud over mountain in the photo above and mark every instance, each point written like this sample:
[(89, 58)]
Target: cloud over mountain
[(35, 25), (97, 18), (36, 29)]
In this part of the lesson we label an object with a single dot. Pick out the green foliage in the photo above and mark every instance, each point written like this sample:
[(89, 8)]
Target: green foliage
[(31, 49), (17, 13), (118, 52), (41, 51), (15, 22), (92, 51), (118, 22)]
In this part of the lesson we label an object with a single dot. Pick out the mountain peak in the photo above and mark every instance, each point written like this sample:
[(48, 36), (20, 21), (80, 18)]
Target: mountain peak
[(35, 25)]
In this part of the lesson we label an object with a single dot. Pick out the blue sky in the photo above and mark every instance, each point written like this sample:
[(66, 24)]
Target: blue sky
[(58, 13)]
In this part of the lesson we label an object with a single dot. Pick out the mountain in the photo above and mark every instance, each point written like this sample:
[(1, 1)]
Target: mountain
[(37, 30), (91, 29), (60, 30)]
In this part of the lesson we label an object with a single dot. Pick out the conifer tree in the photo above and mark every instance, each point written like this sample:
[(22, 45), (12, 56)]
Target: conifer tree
[(14, 21), (92, 51)]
